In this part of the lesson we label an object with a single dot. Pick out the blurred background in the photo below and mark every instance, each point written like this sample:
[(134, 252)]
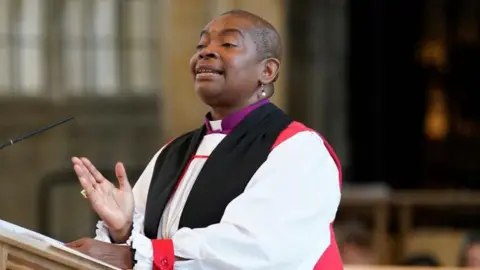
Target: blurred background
[(391, 84)]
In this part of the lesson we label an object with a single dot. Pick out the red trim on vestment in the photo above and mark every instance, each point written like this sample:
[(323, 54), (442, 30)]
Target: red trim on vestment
[(330, 259), (335, 158), (163, 254), (185, 171)]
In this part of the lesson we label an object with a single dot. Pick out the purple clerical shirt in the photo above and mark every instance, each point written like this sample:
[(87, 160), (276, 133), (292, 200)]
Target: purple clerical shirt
[(226, 125)]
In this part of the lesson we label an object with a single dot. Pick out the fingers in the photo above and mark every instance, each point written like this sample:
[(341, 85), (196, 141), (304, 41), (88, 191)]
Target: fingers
[(86, 183), (82, 245), (95, 173), (121, 174), (83, 171), (74, 244), (77, 243)]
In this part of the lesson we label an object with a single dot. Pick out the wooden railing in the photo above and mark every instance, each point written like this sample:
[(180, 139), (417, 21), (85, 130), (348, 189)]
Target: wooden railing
[(407, 202), (383, 203)]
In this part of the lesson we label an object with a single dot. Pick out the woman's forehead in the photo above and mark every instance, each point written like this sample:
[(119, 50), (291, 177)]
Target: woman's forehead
[(229, 21)]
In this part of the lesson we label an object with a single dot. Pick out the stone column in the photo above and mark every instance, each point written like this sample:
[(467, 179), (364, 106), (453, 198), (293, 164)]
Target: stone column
[(180, 26), (329, 108), (317, 81)]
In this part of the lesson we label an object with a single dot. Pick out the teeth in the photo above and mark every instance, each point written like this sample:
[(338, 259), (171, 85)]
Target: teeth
[(204, 70)]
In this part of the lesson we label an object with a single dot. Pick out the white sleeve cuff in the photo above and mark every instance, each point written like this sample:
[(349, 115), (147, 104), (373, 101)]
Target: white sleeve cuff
[(137, 240), (143, 252), (102, 233), (142, 244)]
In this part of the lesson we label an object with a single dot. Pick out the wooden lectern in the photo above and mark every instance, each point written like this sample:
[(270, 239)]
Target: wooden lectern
[(23, 252)]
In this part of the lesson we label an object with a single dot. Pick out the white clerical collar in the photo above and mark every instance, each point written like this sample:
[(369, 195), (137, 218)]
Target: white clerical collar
[(216, 125)]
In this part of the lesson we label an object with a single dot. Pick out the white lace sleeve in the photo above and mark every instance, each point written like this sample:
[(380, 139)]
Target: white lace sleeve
[(102, 233), (137, 240), (141, 244)]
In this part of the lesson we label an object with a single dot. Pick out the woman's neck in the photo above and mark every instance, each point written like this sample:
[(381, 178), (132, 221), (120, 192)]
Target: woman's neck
[(219, 113)]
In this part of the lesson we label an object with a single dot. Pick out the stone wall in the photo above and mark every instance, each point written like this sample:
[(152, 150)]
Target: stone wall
[(105, 130)]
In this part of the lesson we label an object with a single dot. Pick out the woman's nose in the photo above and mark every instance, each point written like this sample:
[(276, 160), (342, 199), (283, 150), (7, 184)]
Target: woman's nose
[(207, 53)]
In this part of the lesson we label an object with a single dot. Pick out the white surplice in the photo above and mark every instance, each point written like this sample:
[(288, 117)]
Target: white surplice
[(281, 221)]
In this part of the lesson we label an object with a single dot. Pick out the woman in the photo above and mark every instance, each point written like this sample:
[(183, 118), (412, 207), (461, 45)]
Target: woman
[(250, 189)]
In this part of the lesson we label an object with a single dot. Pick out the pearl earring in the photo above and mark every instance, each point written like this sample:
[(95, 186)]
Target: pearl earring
[(263, 91)]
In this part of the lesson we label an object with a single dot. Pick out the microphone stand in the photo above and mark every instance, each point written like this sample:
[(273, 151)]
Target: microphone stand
[(35, 132)]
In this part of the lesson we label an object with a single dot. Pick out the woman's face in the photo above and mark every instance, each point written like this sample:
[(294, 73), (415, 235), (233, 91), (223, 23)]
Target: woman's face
[(226, 66)]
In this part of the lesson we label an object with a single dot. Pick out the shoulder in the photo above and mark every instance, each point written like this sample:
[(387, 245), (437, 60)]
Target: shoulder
[(298, 133), (298, 137)]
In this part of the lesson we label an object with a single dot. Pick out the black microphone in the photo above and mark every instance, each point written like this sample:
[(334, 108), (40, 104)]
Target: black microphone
[(38, 131)]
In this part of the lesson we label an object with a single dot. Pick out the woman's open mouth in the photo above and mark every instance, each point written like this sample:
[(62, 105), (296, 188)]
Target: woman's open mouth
[(207, 73)]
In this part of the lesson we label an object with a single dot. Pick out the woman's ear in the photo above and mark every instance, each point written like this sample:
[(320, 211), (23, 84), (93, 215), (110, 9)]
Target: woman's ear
[(270, 70)]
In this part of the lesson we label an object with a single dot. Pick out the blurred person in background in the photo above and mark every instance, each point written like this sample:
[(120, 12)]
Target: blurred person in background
[(470, 250), (421, 259), (250, 189), (356, 248)]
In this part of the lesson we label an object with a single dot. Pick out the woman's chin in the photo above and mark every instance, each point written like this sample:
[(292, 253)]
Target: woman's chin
[(209, 95), (208, 88)]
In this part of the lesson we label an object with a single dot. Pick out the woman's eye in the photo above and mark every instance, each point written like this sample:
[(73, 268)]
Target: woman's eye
[(229, 45), (200, 46)]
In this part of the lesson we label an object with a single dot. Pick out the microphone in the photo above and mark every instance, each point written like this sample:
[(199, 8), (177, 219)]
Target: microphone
[(35, 132)]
